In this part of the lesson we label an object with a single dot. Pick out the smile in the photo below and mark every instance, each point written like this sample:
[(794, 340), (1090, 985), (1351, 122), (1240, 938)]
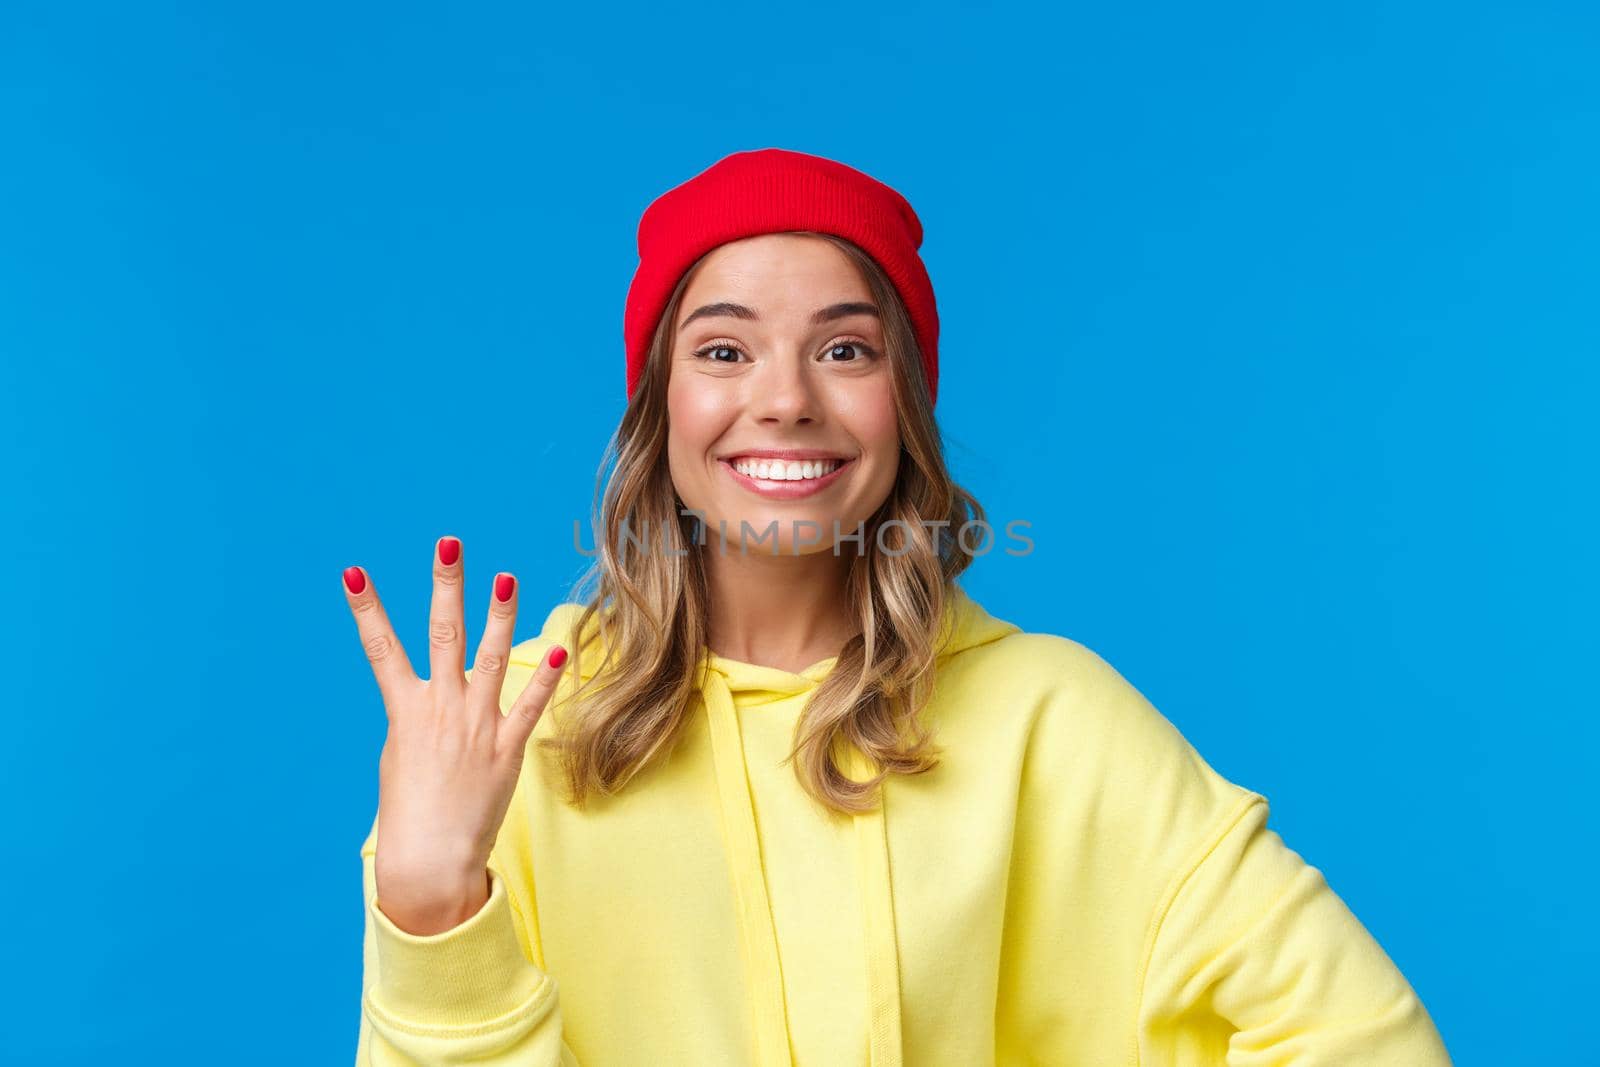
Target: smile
[(784, 480), (778, 470)]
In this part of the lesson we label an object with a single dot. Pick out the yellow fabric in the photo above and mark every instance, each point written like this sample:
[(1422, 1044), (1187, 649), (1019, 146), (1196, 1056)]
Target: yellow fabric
[(1073, 885)]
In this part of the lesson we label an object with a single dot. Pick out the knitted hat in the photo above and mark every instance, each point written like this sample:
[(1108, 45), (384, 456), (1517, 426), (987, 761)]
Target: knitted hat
[(771, 190)]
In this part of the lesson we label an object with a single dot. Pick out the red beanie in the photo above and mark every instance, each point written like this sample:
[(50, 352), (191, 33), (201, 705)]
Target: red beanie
[(769, 191)]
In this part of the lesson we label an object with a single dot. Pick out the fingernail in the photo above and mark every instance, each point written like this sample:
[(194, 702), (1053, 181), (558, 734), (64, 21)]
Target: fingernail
[(354, 580), (558, 656), (449, 550), (504, 586)]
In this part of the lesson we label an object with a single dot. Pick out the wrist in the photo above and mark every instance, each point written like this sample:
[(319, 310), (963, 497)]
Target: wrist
[(437, 909)]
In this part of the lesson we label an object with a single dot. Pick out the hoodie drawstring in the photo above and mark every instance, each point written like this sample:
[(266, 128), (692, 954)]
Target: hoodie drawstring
[(758, 933), (758, 930), (877, 920)]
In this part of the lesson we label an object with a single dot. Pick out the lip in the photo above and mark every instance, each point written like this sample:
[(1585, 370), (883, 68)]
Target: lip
[(784, 489)]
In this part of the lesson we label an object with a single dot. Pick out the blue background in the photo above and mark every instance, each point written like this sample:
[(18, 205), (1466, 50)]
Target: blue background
[(1279, 326)]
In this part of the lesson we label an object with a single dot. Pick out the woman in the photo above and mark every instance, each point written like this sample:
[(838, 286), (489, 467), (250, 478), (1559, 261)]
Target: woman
[(797, 798)]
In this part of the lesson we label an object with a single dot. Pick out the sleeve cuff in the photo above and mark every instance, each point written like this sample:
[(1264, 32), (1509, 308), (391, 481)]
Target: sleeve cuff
[(468, 975)]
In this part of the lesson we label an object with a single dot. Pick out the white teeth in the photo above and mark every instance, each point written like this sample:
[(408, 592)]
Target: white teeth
[(777, 470)]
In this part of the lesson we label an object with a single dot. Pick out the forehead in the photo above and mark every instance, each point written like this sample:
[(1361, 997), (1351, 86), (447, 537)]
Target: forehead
[(777, 273)]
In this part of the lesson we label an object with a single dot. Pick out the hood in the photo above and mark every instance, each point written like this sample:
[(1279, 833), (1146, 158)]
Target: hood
[(966, 625)]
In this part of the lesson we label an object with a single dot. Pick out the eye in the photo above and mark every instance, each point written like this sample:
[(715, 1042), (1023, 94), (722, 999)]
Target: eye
[(711, 352), (861, 351)]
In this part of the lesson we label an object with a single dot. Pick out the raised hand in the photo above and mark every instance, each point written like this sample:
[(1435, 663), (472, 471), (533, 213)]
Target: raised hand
[(450, 761)]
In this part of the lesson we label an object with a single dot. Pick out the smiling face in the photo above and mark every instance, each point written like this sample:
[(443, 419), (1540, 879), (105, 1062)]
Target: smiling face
[(780, 396)]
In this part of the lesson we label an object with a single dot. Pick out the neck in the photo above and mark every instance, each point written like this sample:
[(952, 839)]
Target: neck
[(781, 611)]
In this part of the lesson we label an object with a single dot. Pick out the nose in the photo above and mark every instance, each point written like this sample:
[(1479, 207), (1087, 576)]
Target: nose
[(784, 393)]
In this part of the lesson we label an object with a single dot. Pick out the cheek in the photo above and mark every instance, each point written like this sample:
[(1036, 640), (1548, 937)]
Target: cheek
[(876, 423), (696, 419)]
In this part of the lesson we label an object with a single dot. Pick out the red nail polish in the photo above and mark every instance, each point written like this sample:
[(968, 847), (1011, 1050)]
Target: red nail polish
[(354, 580), (504, 586), (449, 550), (558, 656)]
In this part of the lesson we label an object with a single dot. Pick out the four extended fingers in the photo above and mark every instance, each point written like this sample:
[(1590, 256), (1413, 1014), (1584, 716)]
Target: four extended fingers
[(447, 640), (390, 664)]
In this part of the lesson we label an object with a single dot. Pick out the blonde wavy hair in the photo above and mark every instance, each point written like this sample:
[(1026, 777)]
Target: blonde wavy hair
[(649, 608)]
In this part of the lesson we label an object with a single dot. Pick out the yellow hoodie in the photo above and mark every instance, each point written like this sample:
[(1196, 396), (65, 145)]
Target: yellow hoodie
[(1073, 885)]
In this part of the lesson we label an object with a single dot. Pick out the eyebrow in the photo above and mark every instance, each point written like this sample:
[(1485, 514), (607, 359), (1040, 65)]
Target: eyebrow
[(739, 311)]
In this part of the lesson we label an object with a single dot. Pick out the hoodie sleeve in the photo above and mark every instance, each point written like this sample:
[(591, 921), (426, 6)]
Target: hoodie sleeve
[(470, 994), (1255, 960)]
